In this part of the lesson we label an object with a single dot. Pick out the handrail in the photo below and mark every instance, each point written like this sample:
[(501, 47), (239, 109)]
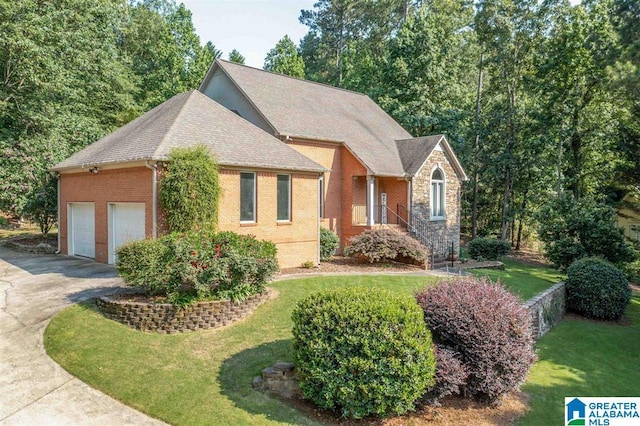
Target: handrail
[(435, 240)]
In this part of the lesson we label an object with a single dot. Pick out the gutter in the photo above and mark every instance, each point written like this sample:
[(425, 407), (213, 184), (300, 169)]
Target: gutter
[(154, 202), (58, 214)]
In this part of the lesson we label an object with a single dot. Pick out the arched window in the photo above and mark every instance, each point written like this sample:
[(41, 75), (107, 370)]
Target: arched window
[(437, 194)]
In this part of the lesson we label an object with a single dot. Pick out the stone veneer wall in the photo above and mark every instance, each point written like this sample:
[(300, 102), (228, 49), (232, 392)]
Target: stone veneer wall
[(421, 197), (547, 309), (168, 318)]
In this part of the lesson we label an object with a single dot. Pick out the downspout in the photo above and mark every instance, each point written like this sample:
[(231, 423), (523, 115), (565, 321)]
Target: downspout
[(58, 215), (409, 198), (154, 198), (318, 211)]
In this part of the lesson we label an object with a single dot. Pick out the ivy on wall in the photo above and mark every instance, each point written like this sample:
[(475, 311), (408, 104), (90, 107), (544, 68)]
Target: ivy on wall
[(190, 190)]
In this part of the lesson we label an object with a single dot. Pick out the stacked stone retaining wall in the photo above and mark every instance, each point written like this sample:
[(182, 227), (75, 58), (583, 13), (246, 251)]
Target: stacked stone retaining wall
[(168, 318), (547, 308)]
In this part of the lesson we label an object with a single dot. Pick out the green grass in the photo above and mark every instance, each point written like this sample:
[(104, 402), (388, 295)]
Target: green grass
[(205, 377), (195, 378), (583, 358), (523, 280)]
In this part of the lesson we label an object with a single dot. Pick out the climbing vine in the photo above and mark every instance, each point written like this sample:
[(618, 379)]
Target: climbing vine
[(190, 190)]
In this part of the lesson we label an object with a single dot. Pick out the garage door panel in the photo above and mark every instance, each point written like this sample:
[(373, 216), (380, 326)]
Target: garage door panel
[(127, 223), (82, 227)]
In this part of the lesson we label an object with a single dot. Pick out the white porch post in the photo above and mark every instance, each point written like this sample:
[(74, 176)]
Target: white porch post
[(371, 200)]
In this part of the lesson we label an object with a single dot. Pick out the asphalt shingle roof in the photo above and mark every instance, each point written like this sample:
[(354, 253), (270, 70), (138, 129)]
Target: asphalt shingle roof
[(190, 119), (306, 109), (414, 152)]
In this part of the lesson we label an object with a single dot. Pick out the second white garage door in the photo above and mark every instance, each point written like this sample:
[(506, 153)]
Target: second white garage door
[(126, 223)]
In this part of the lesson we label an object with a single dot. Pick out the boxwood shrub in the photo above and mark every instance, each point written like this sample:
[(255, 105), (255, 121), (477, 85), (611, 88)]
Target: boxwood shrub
[(362, 351), (329, 243), (198, 265), (597, 289), (488, 248), (381, 245), (489, 329)]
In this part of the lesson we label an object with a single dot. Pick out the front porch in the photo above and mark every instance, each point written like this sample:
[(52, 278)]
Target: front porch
[(380, 215), (379, 201)]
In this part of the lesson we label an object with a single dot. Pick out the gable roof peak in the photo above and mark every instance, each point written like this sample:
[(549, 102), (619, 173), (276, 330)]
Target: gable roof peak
[(188, 119), (225, 62), (315, 111)]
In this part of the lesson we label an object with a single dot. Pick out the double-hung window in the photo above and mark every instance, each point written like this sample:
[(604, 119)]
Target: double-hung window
[(437, 194), (247, 197), (284, 198)]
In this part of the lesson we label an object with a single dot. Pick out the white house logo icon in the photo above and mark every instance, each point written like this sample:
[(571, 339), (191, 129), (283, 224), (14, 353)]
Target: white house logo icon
[(575, 410)]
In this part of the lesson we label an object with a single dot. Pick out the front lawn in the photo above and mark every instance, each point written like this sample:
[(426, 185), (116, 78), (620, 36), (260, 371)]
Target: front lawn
[(205, 377), (195, 378), (584, 358), (523, 280)]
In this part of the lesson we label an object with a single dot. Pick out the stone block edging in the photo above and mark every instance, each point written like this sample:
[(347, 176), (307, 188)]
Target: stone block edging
[(166, 318), (547, 308), (43, 248)]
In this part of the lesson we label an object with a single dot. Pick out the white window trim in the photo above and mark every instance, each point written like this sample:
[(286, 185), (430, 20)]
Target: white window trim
[(443, 197), (288, 199), (255, 197)]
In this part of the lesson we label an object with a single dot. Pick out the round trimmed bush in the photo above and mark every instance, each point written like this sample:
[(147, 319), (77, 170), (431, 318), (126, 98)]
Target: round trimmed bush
[(329, 243), (362, 351), (198, 265), (382, 245), (597, 289), (489, 329)]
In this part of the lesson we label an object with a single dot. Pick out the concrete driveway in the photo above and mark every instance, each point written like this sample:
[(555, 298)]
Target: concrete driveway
[(33, 388)]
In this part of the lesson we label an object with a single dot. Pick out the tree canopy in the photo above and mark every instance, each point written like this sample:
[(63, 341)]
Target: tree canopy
[(537, 98), (284, 59), (75, 70)]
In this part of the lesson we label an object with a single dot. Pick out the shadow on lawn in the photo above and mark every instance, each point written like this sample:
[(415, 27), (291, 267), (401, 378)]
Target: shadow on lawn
[(236, 376)]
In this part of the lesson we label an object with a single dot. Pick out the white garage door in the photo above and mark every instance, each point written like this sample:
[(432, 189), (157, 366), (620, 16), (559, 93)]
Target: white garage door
[(126, 223), (82, 229)]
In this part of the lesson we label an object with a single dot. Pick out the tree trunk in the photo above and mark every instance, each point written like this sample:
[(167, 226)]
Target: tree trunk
[(577, 184), (476, 167), (520, 220), (507, 174)]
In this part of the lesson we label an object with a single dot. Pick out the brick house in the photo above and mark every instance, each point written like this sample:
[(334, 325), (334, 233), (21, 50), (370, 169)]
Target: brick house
[(377, 173), (108, 192), (294, 155)]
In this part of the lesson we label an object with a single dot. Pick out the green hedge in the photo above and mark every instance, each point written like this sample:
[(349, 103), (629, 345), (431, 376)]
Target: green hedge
[(199, 265), (362, 351), (488, 249)]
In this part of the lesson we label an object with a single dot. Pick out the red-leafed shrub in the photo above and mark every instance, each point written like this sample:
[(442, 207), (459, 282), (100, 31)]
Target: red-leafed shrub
[(381, 245), (451, 374), (487, 326)]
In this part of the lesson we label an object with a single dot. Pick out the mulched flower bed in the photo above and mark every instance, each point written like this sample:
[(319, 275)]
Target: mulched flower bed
[(342, 264), (454, 410)]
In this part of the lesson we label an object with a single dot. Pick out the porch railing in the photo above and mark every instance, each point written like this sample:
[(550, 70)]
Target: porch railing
[(382, 215)]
